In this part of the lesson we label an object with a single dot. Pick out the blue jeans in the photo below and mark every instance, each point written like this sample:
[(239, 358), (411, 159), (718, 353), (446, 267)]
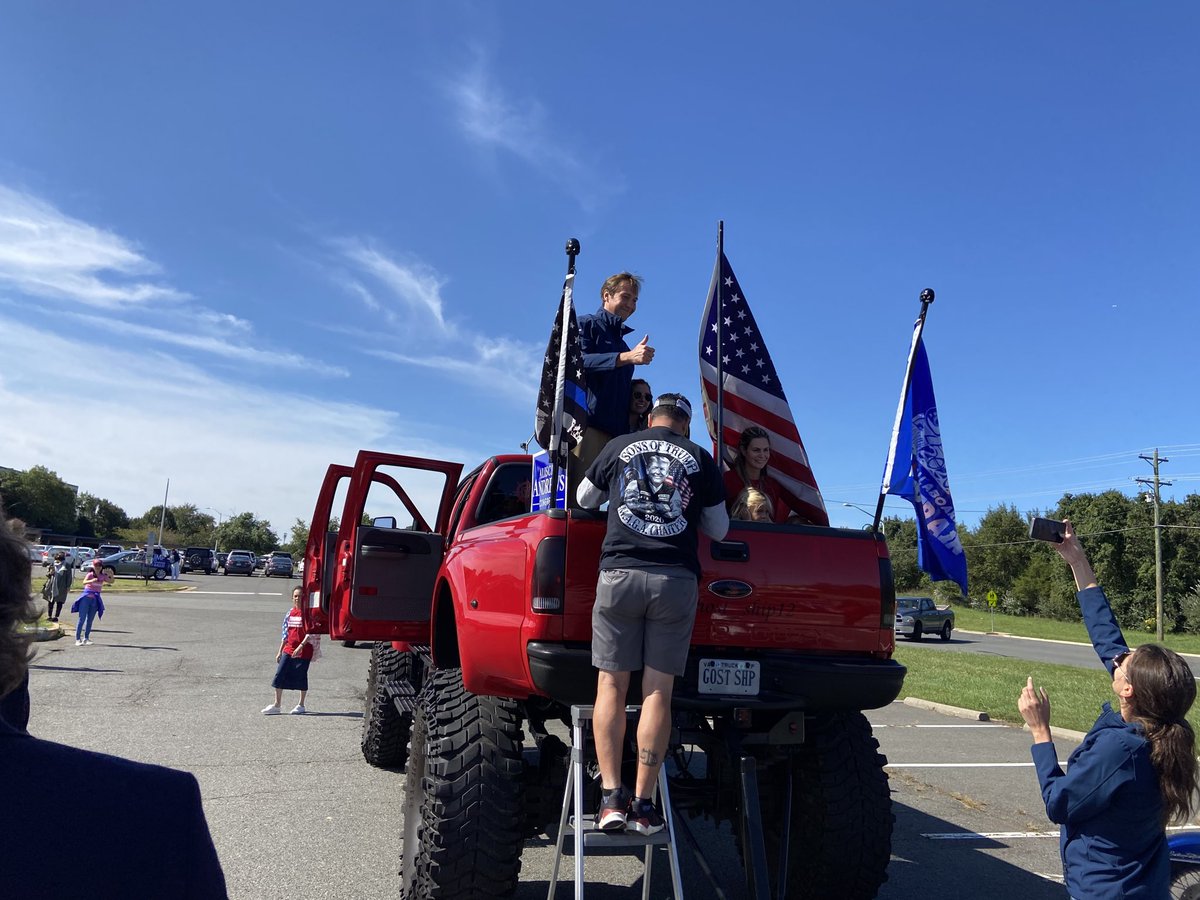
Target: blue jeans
[(87, 612)]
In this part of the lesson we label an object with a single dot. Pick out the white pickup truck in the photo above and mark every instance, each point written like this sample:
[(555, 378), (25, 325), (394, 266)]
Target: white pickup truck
[(916, 616)]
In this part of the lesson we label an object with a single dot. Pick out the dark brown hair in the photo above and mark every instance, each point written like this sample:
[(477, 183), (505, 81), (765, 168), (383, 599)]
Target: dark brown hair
[(613, 283), (751, 433), (15, 606), (1163, 692)]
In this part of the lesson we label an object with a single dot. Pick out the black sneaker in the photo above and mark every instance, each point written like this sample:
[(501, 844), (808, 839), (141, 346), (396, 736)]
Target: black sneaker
[(614, 805), (643, 817)]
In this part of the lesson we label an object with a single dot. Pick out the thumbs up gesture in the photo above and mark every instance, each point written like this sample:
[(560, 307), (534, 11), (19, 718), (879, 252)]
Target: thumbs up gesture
[(640, 355)]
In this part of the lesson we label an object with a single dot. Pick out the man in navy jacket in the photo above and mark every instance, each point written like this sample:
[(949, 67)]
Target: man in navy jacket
[(128, 829), (608, 362)]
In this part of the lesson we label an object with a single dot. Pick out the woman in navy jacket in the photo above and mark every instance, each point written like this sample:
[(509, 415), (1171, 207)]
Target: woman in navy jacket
[(1134, 773)]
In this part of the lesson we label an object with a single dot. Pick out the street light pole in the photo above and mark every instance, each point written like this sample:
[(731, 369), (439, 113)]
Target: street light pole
[(220, 521), (869, 514)]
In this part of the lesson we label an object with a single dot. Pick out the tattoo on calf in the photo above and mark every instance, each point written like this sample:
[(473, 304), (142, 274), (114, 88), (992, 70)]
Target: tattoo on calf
[(648, 757)]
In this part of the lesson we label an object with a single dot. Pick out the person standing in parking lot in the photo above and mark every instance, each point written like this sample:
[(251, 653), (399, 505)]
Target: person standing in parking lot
[(61, 578), (90, 605), (175, 563), (297, 650)]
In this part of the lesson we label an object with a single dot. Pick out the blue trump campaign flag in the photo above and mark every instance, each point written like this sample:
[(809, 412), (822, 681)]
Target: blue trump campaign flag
[(916, 470)]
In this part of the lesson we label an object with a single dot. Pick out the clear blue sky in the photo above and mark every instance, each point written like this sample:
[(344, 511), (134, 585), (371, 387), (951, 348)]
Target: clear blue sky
[(241, 241)]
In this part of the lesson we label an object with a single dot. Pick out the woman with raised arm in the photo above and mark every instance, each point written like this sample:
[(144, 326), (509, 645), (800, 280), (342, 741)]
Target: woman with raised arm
[(1135, 771)]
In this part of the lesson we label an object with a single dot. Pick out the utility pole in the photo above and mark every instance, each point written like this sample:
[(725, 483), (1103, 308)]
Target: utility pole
[(1156, 499)]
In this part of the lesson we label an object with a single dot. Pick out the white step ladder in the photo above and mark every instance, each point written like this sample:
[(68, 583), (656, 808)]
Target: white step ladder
[(588, 835)]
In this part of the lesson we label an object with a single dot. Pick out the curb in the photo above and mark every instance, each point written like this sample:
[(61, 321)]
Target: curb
[(980, 716), (1055, 733), (947, 710)]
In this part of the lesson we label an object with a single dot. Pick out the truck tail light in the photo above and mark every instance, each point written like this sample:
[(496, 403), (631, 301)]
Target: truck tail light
[(549, 575), (887, 592)]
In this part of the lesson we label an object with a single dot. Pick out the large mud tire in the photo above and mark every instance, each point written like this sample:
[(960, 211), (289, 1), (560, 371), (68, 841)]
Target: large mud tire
[(386, 730), (462, 795), (841, 837)]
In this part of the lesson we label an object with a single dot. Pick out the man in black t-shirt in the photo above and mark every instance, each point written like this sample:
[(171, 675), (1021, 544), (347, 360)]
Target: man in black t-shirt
[(662, 489)]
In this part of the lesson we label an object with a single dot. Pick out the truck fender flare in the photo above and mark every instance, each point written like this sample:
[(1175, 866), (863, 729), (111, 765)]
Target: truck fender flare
[(444, 629)]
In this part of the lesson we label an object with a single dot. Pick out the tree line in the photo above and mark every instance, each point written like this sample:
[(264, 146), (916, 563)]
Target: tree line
[(40, 499), (1117, 531)]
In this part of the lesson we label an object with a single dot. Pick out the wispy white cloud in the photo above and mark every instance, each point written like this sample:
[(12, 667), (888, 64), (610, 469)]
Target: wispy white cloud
[(495, 366), (212, 343), (132, 423), (523, 128), (416, 286), (408, 298), (46, 253)]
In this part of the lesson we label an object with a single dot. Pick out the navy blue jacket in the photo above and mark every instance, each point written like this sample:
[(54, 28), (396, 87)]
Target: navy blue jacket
[(602, 339), (133, 830), (1108, 802)]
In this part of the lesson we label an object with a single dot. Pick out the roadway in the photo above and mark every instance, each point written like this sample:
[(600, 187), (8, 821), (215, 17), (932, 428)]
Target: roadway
[(179, 679), (1035, 649)]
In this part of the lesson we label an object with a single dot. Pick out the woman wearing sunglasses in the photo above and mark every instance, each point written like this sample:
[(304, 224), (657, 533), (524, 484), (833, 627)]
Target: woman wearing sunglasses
[(1134, 773), (640, 400)]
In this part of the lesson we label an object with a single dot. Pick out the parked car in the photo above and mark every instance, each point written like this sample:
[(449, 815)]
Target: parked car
[(202, 559), (35, 555), (239, 562), (222, 555), (108, 550), (133, 563), (84, 555), (278, 563), (916, 616), (70, 555), (260, 560)]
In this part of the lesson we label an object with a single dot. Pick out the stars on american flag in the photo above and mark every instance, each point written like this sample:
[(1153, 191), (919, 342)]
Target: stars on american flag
[(733, 338)]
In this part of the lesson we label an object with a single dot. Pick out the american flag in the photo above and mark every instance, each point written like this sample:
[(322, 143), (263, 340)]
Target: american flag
[(753, 394), (562, 408)]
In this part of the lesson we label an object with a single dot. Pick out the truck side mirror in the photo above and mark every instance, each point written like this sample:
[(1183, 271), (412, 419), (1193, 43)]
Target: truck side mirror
[(384, 522)]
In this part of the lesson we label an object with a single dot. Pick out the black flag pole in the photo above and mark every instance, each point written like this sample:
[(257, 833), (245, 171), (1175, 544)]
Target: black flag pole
[(926, 299), (557, 457)]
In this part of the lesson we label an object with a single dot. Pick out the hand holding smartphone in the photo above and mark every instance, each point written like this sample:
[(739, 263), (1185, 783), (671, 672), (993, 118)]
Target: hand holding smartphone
[(1050, 530)]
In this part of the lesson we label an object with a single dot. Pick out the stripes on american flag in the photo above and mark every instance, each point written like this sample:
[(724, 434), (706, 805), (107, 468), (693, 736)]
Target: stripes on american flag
[(753, 394)]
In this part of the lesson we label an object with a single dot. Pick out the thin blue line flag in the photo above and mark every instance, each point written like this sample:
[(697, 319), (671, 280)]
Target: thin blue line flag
[(916, 470)]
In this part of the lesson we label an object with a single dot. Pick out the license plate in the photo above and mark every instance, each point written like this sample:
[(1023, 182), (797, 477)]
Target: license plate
[(730, 676)]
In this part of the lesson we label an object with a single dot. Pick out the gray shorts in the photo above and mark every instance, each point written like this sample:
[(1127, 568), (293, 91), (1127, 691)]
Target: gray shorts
[(643, 617)]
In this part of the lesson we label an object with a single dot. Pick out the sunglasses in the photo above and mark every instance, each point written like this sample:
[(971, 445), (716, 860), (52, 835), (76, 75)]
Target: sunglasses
[(638, 395), (1119, 659)]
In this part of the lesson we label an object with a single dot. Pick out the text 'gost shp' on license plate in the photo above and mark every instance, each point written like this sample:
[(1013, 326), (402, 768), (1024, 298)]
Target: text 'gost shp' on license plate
[(729, 676)]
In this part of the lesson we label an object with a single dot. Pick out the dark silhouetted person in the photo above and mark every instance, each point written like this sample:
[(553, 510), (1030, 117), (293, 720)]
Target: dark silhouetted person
[(135, 830)]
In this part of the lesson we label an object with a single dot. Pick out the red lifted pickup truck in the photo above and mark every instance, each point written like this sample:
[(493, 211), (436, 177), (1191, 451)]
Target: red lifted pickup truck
[(482, 614)]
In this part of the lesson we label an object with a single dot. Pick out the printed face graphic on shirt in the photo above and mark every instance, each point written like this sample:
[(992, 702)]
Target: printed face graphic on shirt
[(654, 489)]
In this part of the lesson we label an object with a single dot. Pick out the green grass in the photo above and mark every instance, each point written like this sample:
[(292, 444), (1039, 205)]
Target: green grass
[(992, 684), (1031, 626), (119, 586)]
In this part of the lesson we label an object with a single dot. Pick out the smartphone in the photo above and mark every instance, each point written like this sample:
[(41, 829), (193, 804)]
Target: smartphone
[(1047, 530)]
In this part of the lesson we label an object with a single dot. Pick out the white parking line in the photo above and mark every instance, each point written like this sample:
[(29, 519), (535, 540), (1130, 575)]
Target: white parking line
[(989, 835), (966, 765), (226, 593), (973, 725)]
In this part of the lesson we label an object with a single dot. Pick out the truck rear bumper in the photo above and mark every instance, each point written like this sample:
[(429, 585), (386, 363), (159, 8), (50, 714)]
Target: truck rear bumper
[(812, 682)]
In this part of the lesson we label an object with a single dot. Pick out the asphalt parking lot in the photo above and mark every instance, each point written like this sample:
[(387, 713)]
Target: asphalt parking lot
[(179, 679)]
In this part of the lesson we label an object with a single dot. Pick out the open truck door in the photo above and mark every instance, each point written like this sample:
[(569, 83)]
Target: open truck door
[(318, 554), (382, 588)]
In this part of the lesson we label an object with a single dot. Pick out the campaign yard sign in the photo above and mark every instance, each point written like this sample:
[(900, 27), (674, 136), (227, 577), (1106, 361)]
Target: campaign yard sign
[(541, 482)]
